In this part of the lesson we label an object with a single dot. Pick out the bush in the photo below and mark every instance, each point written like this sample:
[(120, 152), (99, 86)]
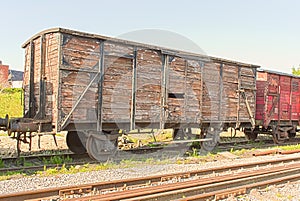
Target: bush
[(11, 102)]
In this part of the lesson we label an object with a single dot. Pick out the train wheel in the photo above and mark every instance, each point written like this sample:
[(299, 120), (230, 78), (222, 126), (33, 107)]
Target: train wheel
[(178, 134), (291, 134), (183, 134), (100, 148), (250, 135), (276, 140), (279, 134), (76, 141), (211, 144)]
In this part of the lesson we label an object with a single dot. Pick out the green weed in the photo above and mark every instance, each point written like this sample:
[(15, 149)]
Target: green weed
[(2, 165), (58, 160)]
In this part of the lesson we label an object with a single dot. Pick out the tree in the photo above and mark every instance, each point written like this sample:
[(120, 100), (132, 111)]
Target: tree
[(296, 71)]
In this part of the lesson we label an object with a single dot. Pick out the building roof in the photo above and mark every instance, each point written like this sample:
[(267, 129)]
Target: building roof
[(16, 75)]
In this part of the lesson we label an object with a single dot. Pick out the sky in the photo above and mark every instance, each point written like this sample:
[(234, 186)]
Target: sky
[(261, 32)]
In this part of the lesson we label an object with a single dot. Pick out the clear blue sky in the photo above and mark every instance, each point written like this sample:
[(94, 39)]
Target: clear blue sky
[(263, 32)]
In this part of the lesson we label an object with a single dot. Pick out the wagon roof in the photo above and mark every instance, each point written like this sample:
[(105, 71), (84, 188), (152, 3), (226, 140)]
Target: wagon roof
[(168, 51), (278, 73)]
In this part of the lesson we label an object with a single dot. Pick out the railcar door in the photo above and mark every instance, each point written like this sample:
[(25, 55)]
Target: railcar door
[(273, 97), (148, 89), (184, 92), (295, 106), (176, 89), (285, 98)]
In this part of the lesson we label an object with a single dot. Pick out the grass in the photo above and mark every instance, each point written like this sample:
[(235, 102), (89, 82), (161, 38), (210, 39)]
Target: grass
[(289, 147), (11, 103), (57, 160)]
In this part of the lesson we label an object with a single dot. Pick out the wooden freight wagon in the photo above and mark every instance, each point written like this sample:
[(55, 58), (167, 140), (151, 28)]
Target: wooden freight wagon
[(278, 104), (93, 86)]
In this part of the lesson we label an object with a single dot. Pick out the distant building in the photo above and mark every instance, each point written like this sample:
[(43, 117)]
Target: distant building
[(10, 78), (16, 78), (4, 71)]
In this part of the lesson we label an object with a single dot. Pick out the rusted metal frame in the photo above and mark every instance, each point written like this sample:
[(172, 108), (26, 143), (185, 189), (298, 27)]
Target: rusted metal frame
[(133, 93), (221, 92), (59, 97), (100, 88), (31, 82), (164, 106)]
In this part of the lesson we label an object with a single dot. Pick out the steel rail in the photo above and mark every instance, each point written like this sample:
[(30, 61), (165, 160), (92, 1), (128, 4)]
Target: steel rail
[(17, 164), (199, 186), (243, 189), (125, 184)]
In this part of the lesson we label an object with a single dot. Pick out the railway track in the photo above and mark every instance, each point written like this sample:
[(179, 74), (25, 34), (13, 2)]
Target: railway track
[(263, 142), (194, 185), (33, 163)]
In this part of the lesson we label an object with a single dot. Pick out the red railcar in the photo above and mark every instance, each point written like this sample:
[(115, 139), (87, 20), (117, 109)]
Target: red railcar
[(277, 104)]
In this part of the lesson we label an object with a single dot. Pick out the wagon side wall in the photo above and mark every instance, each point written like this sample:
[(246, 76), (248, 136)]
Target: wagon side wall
[(78, 66), (278, 100), (295, 100), (227, 90), (247, 78), (78, 78), (261, 97), (41, 77)]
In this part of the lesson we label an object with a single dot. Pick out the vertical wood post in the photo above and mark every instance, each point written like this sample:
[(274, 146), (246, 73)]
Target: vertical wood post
[(164, 91), (31, 111), (42, 103), (133, 94), (100, 87)]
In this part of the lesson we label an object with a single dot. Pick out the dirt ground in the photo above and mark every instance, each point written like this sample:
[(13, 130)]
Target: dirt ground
[(8, 145)]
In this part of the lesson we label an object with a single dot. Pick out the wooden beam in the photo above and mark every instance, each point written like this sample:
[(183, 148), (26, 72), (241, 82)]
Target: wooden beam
[(100, 88), (42, 104), (31, 111), (133, 94)]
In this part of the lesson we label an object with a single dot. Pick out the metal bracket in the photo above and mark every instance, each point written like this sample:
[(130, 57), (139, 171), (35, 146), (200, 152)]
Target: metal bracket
[(78, 101), (73, 191), (252, 120)]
